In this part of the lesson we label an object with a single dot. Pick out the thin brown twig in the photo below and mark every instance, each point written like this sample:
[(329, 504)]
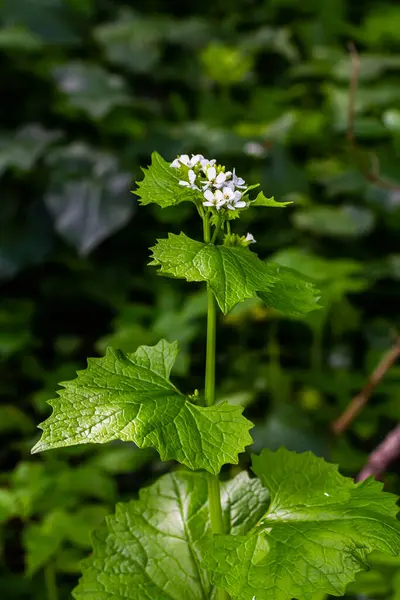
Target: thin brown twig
[(372, 171), (382, 456), (360, 400)]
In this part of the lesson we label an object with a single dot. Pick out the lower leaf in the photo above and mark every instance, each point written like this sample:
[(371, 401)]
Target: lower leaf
[(315, 536), (151, 547)]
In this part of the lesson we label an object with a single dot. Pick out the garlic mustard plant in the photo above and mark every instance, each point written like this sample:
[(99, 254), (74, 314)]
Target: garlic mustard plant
[(296, 529)]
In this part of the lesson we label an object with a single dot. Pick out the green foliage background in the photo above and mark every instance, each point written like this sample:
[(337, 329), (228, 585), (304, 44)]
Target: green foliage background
[(89, 90)]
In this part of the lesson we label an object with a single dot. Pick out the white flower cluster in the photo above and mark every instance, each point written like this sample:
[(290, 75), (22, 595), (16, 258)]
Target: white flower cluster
[(220, 188)]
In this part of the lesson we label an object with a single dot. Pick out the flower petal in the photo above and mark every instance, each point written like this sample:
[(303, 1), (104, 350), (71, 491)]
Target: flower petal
[(184, 159), (211, 173), (250, 238), (228, 192), (195, 159)]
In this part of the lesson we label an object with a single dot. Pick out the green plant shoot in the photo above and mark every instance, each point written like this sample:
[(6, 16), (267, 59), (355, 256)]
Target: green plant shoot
[(296, 529)]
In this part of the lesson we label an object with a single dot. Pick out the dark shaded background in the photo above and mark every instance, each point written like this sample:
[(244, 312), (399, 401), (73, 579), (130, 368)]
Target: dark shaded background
[(89, 90)]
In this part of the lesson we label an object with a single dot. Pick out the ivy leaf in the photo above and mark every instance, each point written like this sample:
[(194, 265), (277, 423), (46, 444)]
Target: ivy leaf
[(133, 41), (315, 536), (158, 534), (91, 89), (130, 397), (234, 274), (161, 185), (262, 200), (25, 147), (88, 196)]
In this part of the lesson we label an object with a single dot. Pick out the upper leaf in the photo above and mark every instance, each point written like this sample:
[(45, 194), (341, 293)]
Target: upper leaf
[(315, 536), (130, 397), (234, 274), (150, 548), (292, 294), (161, 185), (262, 200)]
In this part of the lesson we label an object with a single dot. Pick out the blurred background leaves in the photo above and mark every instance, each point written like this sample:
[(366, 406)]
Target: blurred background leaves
[(89, 90)]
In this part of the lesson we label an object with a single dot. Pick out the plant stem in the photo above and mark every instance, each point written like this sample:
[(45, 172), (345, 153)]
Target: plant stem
[(210, 350), (214, 496), (217, 228), (50, 581), (206, 228)]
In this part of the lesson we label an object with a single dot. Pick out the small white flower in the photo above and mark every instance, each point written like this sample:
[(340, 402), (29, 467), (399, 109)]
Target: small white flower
[(196, 158), (191, 182), (214, 180), (238, 181), (184, 159), (250, 238), (232, 198), (215, 200), (205, 163)]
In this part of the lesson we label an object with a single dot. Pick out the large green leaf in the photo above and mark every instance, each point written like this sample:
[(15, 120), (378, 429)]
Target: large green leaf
[(161, 185), (130, 397), (150, 548), (234, 274), (315, 536)]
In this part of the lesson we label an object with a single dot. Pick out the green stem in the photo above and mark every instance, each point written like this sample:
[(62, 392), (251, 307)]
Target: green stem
[(50, 581), (214, 495), (217, 229), (210, 350), (206, 228)]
